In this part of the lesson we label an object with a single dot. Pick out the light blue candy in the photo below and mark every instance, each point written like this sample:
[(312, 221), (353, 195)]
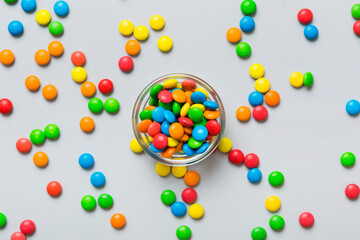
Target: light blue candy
[(311, 32), (254, 175), (353, 107), (188, 150), (86, 160), (158, 114), (61, 8), (178, 209), (203, 148), (165, 126), (28, 5), (211, 104), (256, 98), (200, 133), (247, 24), (169, 116), (198, 97), (15, 28), (155, 150), (97, 179)]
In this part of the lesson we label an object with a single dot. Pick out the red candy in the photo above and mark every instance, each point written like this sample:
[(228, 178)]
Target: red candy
[(213, 127), (54, 188), (17, 236), (105, 86), (165, 96), (189, 195), (126, 64), (188, 85), (27, 227), (352, 191), (23, 145), (160, 141), (306, 219), (78, 58), (251, 160), (236, 156), (154, 128), (305, 16), (356, 27), (260, 113), (5, 106), (186, 122)]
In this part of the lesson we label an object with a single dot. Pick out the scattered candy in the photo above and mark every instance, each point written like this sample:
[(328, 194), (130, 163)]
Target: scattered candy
[(78, 58), (196, 211), (97, 179), (305, 16), (42, 57), (353, 107), (258, 233), (225, 145), (87, 124), (254, 175), (183, 232), (243, 49), (28, 5), (272, 203), (54, 189), (272, 98), (247, 24), (112, 105), (141, 33), (168, 197), (43, 17), (135, 146), (126, 64), (118, 220), (251, 160), (248, 7), (233, 35), (10, 1), (32, 83), (40, 159), (105, 201), (2, 220), (86, 160), (352, 191), (61, 8), (157, 22), (191, 178), (276, 178), (17, 236), (179, 172), (56, 49), (6, 106), (355, 10), (7, 57), (262, 85), (37, 136), (236, 156), (311, 32), (347, 159), (260, 113), (306, 219), (243, 113), (256, 98), (296, 79), (256, 71), (132, 47), (88, 203), (189, 195), (56, 28), (178, 209), (27, 227), (52, 131), (23, 145), (126, 27), (165, 43), (277, 222), (88, 89), (49, 92), (308, 79), (356, 27), (162, 169), (15, 28), (79, 74), (95, 105)]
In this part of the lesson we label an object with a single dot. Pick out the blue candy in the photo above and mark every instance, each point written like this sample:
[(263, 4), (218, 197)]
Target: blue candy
[(247, 24), (211, 104), (203, 148), (97, 179), (353, 107), (175, 89), (178, 209), (61, 8), (311, 32), (256, 98), (200, 133), (86, 160), (155, 150), (15, 28), (169, 116), (28, 5), (158, 114), (188, 150), (198, 97), (254, 175), (165, 126)]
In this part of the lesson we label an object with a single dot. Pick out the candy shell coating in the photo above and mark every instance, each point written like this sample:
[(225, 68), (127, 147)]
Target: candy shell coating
[(260, 113), (157, 22), (183, 232), (61, 8), (305, 16), (233, 35), (126, 27), (23, 145), (105, 201), (56, 28), (258, 233), (7, 57), (135, 146), (54, 189), (15, 28), (254, 175), (196, 211), (262, 85), (306, 219), (88, 203), (311, 32), (247, 24), (126, 64), (189, 195), (118, 220), (28, 5), (243, 113), (98, 179), (141, 33), (353, 107), (273, 203), (243, 49), (86, 160), (248, 7), (162, 169), (348, 159), (78, 58), (272, 98), (165, 44), (179, 172), (27, 227), (178, 209), (225, 145), (352, 191), (256, 98), (168, 197), (276, 178), (276, 222), (43, 17)]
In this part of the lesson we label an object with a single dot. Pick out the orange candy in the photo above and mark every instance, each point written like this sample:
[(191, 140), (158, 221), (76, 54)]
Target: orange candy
[(168, 152), (49, 92), (179, 147), (55, 48), (118, 220), (7, 57), (176, 130), (179, 96), (211, 114), (188, 130), (191, 178), (32, 83), (243, 113), (233, 35), (184, 138), (132, 47), (150, 108), (40, 159), (272, 98), (188, 97), (54, 188), (144, 125), (42, 57), (88, 89), (87, 124)]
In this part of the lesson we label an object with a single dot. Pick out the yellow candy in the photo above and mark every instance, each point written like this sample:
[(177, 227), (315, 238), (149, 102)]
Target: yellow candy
[(170, 83), (185, 109), (146, 140), (126, 27), (262, 85), (256, 71), (296, 79), (135, 146), (162, 169), (225, 145), (79, 74), (165, 43), (179, 172), (179, 86), (157, 22), (141, 33), (272, 203), (196, 211), (200, 89), (198, 105), (172, 142), (43, 17)]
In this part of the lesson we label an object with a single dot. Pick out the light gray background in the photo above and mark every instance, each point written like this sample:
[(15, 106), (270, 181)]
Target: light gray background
[(303, 137)]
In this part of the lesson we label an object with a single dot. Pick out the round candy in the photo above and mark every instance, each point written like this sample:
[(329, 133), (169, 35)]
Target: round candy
[(236, 156), (352, 191), (43, 17), (196, 211), (311, 32), (78, 58), (42, 57), (251, 160), (141, 33), (306, 219), (347, 159), (165, 43), (86, 160), (88, 203), (213, 127), (183, 232), (162, 169), (37, 136), (56, 48), (272, 203), (56, 28), (258, 233), (243, 113), (54, 188), (15, 28), (32, 83), (247, 24), (23, 145), (158, 114), (5, 106), (233, 35), (200, 133), (28, 5), (97, 179), (87, 124), (243, 49), (105, 201), (353, 107), (296, 79), (248, 7), (169, 116), (135, 146), (308, 79), (118, 220), (157, 22), (40, 159), (112, 105), (272, 98), (178, 209), (191, 178), (196, 114), (2, 220), (256, 71), (49, 92), (305, 16), (126, 27), (27, 227), (18, 236), (95, 105), (254, 175), (225, 145), (126, 64), (356, 27), (168, 197), (79, 74), (211, 105), (61, 8), (198, 97), (188, 150), (52, 131), (106, 86), (355, 10), (88, 89), (7, 57), (189, 195), (256, 98), (262, 85), (179, 172), (276, 178), (276, 222), (10, 1), (188, 84), (260, 113), (132, 47)]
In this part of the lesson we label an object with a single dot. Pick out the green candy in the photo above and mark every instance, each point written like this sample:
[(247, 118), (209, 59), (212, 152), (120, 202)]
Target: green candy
[(167, 106), (243, 49), (176, 108), (195, 114), (52, 131), (183, 232), (153, 101), (258, 233), (2, 220), (154, 92), (308, 79), (276, 178), (88, 203), (248, 7), (194, 143), (348, 159), (146, 114), (168, 197), (355, 11), (276, 222), (37, 136), (10, 1), (56, 28), (95, 105), (112, 105), (105, 201), (203, 122)]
